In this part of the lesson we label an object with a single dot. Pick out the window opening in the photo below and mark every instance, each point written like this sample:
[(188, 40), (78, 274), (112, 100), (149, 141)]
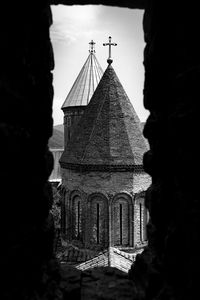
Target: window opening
[(78, 229), (141, 222), (97, 223), (120, 220), (77, 211)]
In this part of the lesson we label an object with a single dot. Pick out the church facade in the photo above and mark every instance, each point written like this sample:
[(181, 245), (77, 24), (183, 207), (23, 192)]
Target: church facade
[(102, 173), (103, 209)]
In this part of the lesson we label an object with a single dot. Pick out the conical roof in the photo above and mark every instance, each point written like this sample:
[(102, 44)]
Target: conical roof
[(85, 83), (109, 134)]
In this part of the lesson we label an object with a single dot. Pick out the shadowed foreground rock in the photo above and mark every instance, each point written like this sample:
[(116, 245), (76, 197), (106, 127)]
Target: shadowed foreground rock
[(98, 283)]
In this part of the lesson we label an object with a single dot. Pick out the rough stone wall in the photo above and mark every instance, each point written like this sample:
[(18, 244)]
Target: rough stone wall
[(171, 93), (26, 227)]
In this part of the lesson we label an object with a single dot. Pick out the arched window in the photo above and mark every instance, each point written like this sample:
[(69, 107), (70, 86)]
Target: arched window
[(143, 222), (140, 220), (98, 220), (77, 216), (121, 212)]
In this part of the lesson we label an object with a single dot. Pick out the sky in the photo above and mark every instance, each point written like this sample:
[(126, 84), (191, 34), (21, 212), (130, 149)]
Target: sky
[(72, 30)]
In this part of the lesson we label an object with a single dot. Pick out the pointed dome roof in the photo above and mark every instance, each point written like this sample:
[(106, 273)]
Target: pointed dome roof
[(85, 84), (108, 135)]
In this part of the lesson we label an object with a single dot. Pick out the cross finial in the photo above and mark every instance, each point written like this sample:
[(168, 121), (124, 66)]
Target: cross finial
[(109, 60), (92, 43)]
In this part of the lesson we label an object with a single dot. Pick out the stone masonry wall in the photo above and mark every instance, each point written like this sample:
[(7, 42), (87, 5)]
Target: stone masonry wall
[(105, 187), (108, 183), (141, 182), (71, 118)]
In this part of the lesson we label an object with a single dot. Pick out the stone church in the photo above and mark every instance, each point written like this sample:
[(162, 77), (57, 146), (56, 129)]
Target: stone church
[(103, 180)]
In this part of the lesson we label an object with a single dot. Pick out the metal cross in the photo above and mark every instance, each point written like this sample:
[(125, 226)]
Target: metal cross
[(92, 43), (109, 44)]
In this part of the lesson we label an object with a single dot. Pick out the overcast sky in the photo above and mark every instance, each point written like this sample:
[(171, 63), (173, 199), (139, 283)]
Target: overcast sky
[(75, 26)]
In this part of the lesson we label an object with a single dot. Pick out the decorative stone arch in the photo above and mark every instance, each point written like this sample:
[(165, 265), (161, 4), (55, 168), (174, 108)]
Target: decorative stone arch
[(97, 221), (74, 209), (141, 218), (73, 194), (121, 216)]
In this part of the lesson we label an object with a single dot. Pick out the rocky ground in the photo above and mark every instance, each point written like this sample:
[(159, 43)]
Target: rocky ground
[(95, 284)]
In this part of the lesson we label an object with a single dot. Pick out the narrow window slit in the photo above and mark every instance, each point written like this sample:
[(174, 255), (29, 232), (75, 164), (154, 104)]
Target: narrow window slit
[(78, 218), (140, 222), (120, 220), (97, 223)]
